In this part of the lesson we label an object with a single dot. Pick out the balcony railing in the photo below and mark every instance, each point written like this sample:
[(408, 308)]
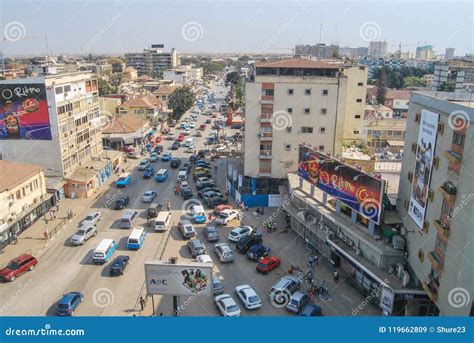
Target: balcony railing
[(430, 290), (266, 118), (453, 157), (266, 136), (436, 263), (443, 230), (265, 154), (448, 190)]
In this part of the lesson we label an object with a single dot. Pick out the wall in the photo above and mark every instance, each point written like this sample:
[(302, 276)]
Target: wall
[(355, 75), (108, 106)]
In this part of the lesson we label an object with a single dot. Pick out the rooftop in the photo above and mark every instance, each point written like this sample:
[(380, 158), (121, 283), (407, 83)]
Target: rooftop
[(13, 174), (147, 101), (128, 124), (166, 89), (296, 63)]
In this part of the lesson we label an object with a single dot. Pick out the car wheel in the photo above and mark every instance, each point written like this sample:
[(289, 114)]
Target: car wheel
[(12, 278), (31, 268), (95, 233)]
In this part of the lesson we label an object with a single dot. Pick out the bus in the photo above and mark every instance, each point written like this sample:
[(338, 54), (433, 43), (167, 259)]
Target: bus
[(136, 238), (104, 251), (123, 180)]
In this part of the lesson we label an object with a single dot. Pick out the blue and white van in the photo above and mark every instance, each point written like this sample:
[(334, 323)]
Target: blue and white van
[(198, 213), (123, 180), (136, 238), (104, 251), (162, 175)]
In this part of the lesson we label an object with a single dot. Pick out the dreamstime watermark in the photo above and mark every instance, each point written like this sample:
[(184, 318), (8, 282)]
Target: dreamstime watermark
[(373, 295), (280, 298), (458, 120), (14, 31), (112, 198), (370, 31), (45, 331), (465, 200), (103, 297), (192, 31), (459, 297), (284, 27), (98, 36), (105, 121), (281, 120), (460, 29), (369, 207), (15, 297)]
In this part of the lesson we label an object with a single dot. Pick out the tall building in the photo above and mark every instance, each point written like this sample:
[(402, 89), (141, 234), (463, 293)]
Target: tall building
[(456, 75), (52, 121), (449, 54), (378, 49), (424, 52), (153, 60), (319, 51), (436, 198)]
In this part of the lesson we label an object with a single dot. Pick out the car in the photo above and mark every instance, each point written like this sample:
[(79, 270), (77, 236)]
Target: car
[(257, 251), (69, 303), (224, 252), (18, 266), (297, 301), (154, 157), (148, 196), (221, 147), (143, 165), (127, 149), (227, 306), (226, 216), (286, 285), (118, 265), (175, 163), (244, 244), (202, 164), (180, 138), (186, 131), (187, 229), (184, 185), (193, 158), (202, 175), (148, 173), (169, 137), (199, 170), (249, 297), (198, 134), (216, 201), (190, 149), (204, 190), (175, 146), (187, 167), (158, 149), (92, 217), (196, 248), (186, 193), (152, 212), (217, 286), (211, 195), (211, 233), (167, 156), (202, 182), (204, 152), (204, 259), (121, 202), (85, 232), (239, 232), (134, 155), (219, 208), (311, 310), (192, 124)]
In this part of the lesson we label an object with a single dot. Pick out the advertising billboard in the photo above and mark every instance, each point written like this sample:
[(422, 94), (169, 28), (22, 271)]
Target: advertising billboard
[(24, 112), (426, 144), (359, 190), (178, 279)]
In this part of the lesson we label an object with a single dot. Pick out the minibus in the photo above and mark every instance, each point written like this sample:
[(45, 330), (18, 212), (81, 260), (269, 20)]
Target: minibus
[(162, 221), (136, 238), (128, 219), (123, 180), (104, 251)]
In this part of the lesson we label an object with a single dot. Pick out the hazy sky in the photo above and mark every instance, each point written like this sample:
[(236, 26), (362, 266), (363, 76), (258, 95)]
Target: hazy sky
[(230, 26)]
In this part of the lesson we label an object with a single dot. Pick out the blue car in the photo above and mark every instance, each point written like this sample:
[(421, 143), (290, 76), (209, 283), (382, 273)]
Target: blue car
[(257, 251), (167, 156), (148, 173), (311, 310), (68, 303), (154, 157)]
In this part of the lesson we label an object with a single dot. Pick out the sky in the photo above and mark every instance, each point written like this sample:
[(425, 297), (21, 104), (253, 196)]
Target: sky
[(30, 27)]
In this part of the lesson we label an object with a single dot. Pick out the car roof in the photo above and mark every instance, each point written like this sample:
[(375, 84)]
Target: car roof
[(67, 298), (21, 258), (121, 258)]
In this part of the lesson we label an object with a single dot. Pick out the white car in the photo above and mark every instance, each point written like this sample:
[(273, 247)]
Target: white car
[(186, 131), (92, 217), (226, 216), (204, 259), (192, 124), (227, 306), (249, 297), (236, 234)]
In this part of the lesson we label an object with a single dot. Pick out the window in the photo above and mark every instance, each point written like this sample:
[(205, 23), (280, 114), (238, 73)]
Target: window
[(307, 92), (356, 132), (67, 88), (306, 129), (359, 100), (458, 139), (321, 147), (288, 129), (287, 147), (325, 92), (290, 91), (322, 129), (267, 92), (59, 90), (324, 110), (357, 116), (307, 111), (441, 245), (446, 209), (361, 68), (360, 83), (18, 195), (289, 110)]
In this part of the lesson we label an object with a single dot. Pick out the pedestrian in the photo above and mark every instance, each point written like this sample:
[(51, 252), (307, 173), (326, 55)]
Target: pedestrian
[(169, 206), (142, 303), (209, 217), (335, 275), (57, 207), (45, 235), (161, 314), (15, 238)]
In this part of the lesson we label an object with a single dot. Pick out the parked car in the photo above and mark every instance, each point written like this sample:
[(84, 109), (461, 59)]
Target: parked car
[(118, 265), (249, 297), (198, 134), (267, 264), (257, 251), (187, 167), (216, 201), (167, 156), (158, 149), (196, 248), (204, 182), (186, 193), (143, 165), (226, 216), (148, 173), (244, 244), (17, 267), (154, 157), (199, 170), (187, 229), (175, 163), (218, 209), (134, 155), (280, 289), (148, 196), (152, 212), (204, 190), (180, 138), (227, 306), (121, 202), (69, 303), (201, 162), (311, 310), (92, 217), (204, 259), (297, 301), (217, 286), (224, 252), (211, 233), (85, 232), (175, 146), (241, 231)]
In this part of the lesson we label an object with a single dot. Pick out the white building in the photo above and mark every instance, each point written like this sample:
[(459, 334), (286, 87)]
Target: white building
[(378, 49), (183, 74), (153, 60)]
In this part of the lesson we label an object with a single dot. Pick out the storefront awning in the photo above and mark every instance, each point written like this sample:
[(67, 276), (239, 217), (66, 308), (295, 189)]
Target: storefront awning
[(395, 143)]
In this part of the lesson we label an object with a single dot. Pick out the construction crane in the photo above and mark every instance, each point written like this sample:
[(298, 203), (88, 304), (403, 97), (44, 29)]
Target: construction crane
[(400, 48)]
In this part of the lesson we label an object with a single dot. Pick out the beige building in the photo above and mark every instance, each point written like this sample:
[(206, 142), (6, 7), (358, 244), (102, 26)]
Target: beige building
[(440, 232), (147, 107), (293, 101), (382, 134), (152, 61), (109, 105)]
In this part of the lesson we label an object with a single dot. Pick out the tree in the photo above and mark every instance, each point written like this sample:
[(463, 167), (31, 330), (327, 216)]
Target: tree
[(106, 88), (381, 85), (446, 87), (232, 78), (413, 81), (181, 100)]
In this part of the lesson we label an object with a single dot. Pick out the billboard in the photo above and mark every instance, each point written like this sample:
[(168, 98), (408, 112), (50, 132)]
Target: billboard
[(178, 279), (24, 112), (427, 135), (359, 190)]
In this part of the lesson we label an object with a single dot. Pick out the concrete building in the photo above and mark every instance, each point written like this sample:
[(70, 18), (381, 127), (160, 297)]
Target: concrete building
[(457, 75), (384, 134), (378, 49), (127, 131), (109, 104), (152, 61), (183, 74), (70, 131), (147, 107), (449, 54), (435, 198), (319, 51), (165, 91), (424, 52), (23, 198)]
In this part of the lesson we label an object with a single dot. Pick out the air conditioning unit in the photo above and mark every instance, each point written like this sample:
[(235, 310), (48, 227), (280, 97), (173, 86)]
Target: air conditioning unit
[(10, 203), (400, 270), (398, 243), (405, 278), (440, 128)]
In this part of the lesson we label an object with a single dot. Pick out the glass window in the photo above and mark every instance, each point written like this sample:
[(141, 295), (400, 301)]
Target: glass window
[(322, 129), (307, 111), (458, 139), (289, 110), (306, 129), (325, 92), (324, 110), (307, 91), (290, 91)]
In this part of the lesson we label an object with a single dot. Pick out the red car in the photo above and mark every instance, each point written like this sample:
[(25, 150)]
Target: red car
[(267, 264), (202, 127), (219, 208), (18, 266), (180, 138)]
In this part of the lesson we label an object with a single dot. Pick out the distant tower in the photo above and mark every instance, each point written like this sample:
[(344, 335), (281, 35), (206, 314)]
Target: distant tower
[(449, 54)]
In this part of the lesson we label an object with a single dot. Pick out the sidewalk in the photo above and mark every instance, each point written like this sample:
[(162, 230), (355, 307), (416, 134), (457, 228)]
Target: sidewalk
[(32, 240)]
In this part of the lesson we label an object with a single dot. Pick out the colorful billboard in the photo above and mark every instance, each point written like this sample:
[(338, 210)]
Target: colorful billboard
[(358, 190), (427, 136), (24, 112)]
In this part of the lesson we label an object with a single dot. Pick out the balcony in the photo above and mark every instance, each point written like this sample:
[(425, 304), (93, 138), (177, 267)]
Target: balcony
[(436, 263), (448, 190), (265, 154), (265, 172), (267, 99), (442, 229), (453, 157), (430, 290), (266, 136), (266, 118)]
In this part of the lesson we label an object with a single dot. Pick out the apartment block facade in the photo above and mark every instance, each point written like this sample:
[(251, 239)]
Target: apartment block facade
[(439, 234), (153, 60)]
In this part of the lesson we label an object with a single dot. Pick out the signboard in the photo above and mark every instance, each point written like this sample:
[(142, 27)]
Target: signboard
[(427, 135), (386, 299), (358, 190), (24, 112), (178, 279)]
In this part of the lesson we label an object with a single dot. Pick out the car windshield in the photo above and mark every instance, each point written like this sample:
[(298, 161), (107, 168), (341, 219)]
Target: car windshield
[(294, 302), (63, 306), (261, 265), (254, 299), (89, 218), (13, 265), (232, 308), (81, 232)]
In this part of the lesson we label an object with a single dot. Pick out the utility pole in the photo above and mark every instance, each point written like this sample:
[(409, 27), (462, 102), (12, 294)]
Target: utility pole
[(173, 260)]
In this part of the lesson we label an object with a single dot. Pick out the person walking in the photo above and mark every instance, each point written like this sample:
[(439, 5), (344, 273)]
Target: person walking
[(209, 217), (335, 275), (142, 303), (168, 206)]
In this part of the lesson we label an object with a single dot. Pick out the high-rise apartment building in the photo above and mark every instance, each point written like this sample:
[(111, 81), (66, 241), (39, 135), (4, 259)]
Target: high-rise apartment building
[(449, 54), (424, 52), (153, 60), (378, 49), (319, 51)]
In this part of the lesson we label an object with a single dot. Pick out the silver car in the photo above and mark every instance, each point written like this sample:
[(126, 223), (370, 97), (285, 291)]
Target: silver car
[(224, 252), (85, 232), (92, 218), (148, 196)]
